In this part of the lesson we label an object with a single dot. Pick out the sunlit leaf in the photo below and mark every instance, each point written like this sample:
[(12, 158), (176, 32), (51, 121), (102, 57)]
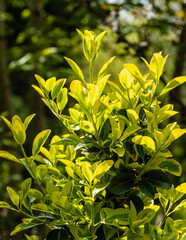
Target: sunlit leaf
[(22, 227), (103, 70), (102, 169), (13, 196), (62, 99), (75, 68), (57, 87), (173, 84), (39, 140), (172, 166), (18, 130), (28, 120), (112, 216), (6, 205), (8, 156), (87, 171), (145, 141)]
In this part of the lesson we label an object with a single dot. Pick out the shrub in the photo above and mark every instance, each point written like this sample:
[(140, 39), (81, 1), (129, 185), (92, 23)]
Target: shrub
[(100, 180)]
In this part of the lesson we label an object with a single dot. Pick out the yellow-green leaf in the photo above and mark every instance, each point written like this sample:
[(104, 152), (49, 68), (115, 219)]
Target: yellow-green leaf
[(8, 156), (18, 130), (23, 227), (129, 130), (41, 82), (50, 84), (6, 205), (62, 99), (8, 123), (171, 166), (103, 70), (87, 126), (87, 171), (58, 85), (173, 84), (28, 120), (39, 140), (102, 169), (38, 90), (145, 141), (13, 196), (93, 94), (76, 69)]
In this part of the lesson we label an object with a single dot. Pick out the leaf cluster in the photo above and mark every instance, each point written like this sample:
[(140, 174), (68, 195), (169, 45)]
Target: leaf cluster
[(99, 180)]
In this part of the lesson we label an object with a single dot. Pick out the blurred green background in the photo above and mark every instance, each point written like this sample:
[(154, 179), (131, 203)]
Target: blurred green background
[(35, 35)]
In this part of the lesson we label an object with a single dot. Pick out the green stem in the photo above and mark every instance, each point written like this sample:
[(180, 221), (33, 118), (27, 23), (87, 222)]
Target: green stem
[(148, 164), (167, 213), (91, 71), (92, 214), (96, 131), (29, 169)]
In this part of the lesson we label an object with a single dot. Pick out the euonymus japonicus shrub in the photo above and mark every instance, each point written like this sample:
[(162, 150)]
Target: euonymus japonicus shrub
[(108, 178)]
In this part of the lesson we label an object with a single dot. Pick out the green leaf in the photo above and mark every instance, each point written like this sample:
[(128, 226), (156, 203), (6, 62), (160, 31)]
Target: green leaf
[(129, 131), (58, 85), (169, 226), (147, 188), (9, 156), (103, 70), (28, 120), (93, 94), (133, 116), (157, 178), (39, 140), (77, 91), (34, 193), (181, 206), (6, 205), (33, 237), (76, 69), (174, 134), (8, 123), (180, 191), (144, 216), (87, 171), (23, 227), (25, 187), (121, 183), (173, 84), (87, 127), (135, 72), (62, 99), (172, 166), (18, 130), (39, 91), (41, 82), (102, 169), (13, 196), (156, 65), (145, 141), (49, 85), (42, 207), (114, 216)]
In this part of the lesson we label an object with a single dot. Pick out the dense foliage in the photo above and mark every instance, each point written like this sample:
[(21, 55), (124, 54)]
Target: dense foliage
[(100, 180)]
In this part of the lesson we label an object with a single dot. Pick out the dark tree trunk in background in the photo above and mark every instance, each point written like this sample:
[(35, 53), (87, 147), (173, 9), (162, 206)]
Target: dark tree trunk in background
[(5, 94), (179, 69), (36, 104)]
